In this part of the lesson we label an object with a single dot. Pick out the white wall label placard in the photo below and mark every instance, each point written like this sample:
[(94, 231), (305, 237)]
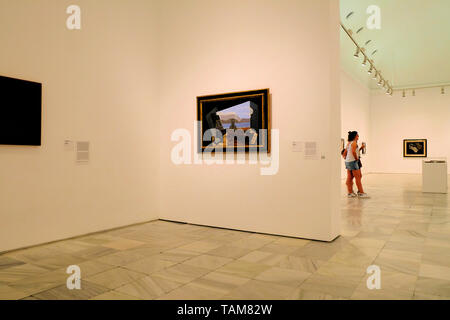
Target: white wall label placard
[(83, 148), (297, 146), (311, 151)]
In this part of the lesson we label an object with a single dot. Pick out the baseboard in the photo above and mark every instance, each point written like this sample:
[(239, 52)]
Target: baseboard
[(76, 237), (251, 232)]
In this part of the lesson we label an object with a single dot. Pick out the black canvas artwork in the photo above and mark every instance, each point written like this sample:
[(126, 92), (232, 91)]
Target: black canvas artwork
[(415, 148), (237, 122), (20, 112)]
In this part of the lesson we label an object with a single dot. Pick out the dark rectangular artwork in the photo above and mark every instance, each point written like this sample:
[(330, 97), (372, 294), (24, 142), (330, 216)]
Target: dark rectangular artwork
[(20, 112), (415, 148), (238, 122)]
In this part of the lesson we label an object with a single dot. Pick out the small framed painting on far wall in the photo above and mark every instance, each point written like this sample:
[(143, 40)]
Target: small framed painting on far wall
[(415, 148), (364, 148)]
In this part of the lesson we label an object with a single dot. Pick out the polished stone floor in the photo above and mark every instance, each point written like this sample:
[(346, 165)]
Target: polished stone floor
[(403, 231)]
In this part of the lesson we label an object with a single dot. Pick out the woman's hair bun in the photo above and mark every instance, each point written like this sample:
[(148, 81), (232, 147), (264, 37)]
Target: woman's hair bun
[(352, 135)]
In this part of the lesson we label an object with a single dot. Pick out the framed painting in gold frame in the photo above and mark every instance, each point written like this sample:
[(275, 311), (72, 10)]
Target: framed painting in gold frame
[(234, 122), (415, 148)]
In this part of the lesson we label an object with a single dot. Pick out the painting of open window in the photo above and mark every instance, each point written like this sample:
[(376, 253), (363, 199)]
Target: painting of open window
[(238, 122)]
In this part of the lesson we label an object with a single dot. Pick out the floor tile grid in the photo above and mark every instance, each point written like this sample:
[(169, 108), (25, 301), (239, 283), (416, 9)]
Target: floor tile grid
[(376, 216), (212, 270)]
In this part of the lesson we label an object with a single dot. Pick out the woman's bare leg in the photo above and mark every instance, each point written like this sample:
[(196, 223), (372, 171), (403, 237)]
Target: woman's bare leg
[(349, 182), (358, 176)]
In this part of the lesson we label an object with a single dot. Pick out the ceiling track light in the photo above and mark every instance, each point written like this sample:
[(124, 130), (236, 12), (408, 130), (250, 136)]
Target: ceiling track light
[(389, 89), (375, 76), (365, 61), (356, 55), (361, 50), (414, 89)]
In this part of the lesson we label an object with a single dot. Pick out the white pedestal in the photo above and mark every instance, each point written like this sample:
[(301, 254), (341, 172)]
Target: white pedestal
[(434, 174)]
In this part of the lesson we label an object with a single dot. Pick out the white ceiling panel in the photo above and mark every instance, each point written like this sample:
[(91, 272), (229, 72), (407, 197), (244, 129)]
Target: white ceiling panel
[(413, 44)]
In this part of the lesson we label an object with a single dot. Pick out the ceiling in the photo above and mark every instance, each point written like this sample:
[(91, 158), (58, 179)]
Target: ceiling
[(413, 43)]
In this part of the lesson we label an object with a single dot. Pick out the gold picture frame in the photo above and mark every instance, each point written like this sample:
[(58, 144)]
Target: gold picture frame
[(415, 148), (244, 114)]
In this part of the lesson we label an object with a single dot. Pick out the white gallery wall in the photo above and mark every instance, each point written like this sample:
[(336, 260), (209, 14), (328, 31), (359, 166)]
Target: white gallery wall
[(99, 85), (393, 119), (130, 77), (355, 113), (289, 46)]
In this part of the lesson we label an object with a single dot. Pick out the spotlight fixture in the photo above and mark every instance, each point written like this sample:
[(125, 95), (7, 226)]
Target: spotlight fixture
[(375, 76), (373, 71), (389, 89), (365, 61)]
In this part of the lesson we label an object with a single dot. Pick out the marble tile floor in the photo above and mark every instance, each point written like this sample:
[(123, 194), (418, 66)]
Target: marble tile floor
[(400, 229)]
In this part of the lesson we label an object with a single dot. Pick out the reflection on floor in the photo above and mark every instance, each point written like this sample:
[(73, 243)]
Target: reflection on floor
[(404, 232)]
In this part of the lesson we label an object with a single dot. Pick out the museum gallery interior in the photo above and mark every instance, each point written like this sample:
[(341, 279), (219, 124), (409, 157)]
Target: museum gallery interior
[(191, 149)]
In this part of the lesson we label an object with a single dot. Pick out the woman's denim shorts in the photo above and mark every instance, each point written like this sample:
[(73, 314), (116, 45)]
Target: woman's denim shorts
[(352, 165)]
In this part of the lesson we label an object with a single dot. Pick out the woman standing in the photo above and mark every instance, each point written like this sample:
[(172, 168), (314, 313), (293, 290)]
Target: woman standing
[(351, 157)]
